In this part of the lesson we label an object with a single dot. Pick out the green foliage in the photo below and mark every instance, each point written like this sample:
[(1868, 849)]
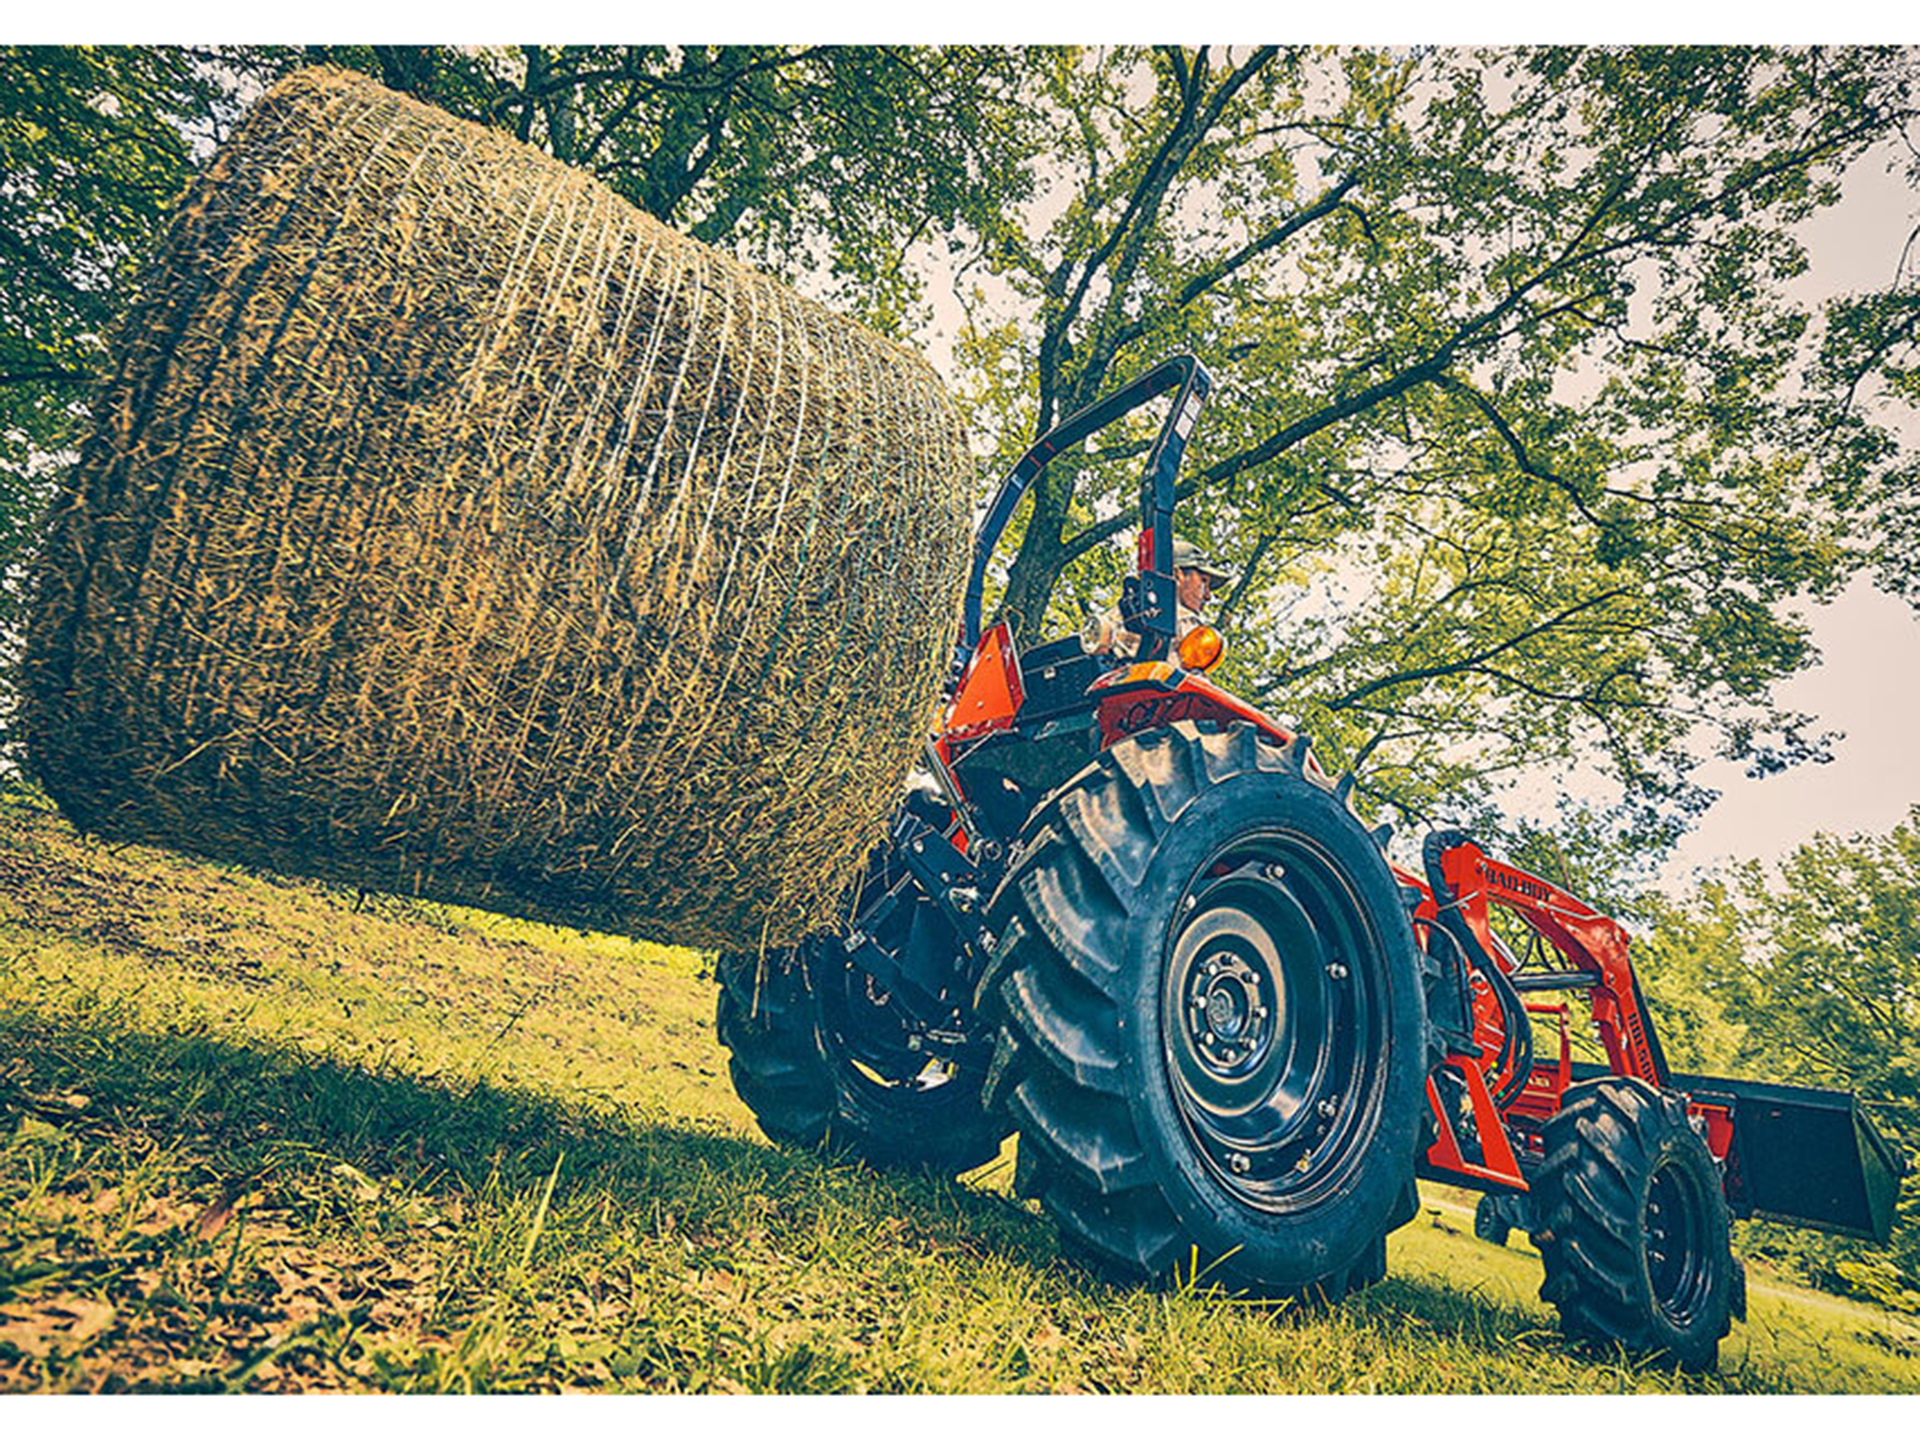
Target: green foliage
[(1702, 1008), (1512, 442), (95, 144), (809, 161), (1835, 951), (1809, 974), (1867, 372)]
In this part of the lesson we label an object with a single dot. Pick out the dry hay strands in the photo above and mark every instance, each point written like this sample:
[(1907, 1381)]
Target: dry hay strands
[(451, 527)]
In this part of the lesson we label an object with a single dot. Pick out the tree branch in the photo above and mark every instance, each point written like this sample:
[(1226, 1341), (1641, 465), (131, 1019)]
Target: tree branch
[(1328, 202), (1470, 662), (1521, 456), (43, 373)]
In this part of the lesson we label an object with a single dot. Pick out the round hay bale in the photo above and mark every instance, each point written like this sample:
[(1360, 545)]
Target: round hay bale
[(450, 527)]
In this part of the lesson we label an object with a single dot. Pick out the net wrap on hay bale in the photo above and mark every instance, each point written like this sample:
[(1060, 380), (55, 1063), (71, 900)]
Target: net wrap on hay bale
[(453, 528)]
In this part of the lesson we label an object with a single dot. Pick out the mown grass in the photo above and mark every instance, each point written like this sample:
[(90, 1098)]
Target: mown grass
[(265, 1135)]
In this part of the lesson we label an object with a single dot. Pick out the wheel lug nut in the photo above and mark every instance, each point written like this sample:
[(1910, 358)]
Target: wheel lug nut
[(1336, 971), (1327, 1109), (1274, 872), (1239, 1163)]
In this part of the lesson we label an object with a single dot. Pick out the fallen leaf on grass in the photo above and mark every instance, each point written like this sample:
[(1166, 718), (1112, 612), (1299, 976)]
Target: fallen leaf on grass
[(365, 1188), (60, 1325), (212, 1220)]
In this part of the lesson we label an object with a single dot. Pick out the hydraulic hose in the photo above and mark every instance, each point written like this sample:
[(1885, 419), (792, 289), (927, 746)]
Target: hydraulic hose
[(1515, 1060)]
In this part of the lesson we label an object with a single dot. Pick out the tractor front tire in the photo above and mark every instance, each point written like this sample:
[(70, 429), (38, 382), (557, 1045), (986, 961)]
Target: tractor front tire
[(1636, 1238), (1212, 1034), (1490, 1221), (792, 1062)]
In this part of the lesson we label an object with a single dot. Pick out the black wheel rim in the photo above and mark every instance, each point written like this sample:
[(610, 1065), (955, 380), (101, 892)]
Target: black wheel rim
[(1676, 1229), (1272, 1011)]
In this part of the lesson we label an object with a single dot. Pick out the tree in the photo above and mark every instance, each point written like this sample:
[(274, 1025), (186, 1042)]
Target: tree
[(1509, 443), (810, 161), (95, 143), (1833, 954), (1687, 958), (1812, 974)]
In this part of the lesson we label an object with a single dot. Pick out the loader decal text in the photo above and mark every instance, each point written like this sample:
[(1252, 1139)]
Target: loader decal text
[(1511, 880)]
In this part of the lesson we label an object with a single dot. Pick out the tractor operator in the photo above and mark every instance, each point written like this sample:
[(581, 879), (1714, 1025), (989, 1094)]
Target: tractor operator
[(1194, 579)]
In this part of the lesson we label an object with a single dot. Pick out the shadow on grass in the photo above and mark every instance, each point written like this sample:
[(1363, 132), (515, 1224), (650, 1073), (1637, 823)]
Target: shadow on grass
[(229, 1112), (227, 1117)]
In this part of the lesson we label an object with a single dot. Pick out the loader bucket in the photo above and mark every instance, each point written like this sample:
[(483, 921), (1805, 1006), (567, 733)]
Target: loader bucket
[(1804, 1155)]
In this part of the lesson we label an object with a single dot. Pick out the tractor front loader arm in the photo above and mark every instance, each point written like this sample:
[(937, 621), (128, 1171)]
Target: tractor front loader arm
[(1489, 1097), (1795, 1153), (1593, 945)]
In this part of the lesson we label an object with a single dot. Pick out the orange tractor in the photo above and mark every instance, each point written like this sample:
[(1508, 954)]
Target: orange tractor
[(1127, 917)]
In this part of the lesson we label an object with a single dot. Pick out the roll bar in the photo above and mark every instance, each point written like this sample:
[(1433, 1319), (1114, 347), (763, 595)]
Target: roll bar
[(1148, 603)]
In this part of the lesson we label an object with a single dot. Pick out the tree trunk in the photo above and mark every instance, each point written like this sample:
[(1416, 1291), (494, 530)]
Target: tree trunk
[(562, 109)]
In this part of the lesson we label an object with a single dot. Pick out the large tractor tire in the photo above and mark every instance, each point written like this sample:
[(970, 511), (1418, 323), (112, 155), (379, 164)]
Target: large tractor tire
[(1636, 1238), (823, 1062), (1213, 1035)]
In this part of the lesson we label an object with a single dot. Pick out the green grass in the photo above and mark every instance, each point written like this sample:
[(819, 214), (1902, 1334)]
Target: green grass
[(260, 1135)]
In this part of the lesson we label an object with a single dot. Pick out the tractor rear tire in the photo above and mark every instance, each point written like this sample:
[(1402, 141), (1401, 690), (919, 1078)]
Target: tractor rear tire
[(1636, 1243), (791, 1064), (1212, 1028)]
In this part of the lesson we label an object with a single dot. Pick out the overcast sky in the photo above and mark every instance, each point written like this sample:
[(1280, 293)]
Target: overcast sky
[(1868, 681)]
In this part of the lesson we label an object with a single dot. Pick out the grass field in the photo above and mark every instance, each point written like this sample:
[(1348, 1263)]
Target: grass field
[(262, 1135)]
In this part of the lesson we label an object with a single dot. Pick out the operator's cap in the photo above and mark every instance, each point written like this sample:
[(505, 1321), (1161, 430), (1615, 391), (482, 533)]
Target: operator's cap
[(1189, 556)]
